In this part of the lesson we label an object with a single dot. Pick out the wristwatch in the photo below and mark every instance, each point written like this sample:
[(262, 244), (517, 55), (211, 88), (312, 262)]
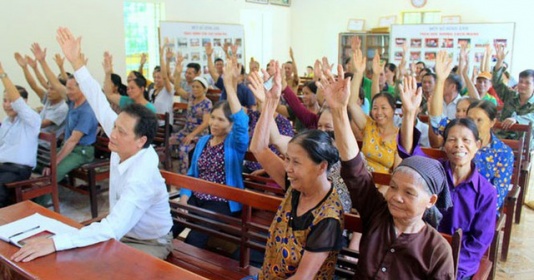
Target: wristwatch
[(3, 75)]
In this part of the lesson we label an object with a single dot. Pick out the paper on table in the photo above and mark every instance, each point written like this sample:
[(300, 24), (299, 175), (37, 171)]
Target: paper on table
[(35, 224)]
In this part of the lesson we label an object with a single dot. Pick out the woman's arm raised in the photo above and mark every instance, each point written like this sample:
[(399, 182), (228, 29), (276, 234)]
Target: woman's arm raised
[(259, 145)]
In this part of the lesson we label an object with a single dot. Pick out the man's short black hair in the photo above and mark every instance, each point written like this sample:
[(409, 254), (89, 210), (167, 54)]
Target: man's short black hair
[(456, 81), (431, 75), (527, 73), (421, 62), (195, 66), (22, 91), (219, 59), (147, 122)]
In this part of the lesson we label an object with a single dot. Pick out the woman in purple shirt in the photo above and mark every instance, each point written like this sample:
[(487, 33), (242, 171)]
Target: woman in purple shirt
[(473, 197)]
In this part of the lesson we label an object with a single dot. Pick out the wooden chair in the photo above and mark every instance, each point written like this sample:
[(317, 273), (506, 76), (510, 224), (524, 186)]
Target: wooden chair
[(424, 118), (180, 111), (214, 95), (161, 142), (434, 153), (525, 130), (40, 185), (92, 173), (513, 194)]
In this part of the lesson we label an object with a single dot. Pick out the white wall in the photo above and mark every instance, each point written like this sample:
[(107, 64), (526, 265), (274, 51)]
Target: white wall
[(315, 24), (26, 21)]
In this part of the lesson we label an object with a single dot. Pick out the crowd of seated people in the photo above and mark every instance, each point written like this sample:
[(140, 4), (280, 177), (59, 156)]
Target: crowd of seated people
[(319, 163)]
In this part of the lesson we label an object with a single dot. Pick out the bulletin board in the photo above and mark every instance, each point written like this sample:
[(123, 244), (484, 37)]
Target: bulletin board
[(425, 40), (190, 39)]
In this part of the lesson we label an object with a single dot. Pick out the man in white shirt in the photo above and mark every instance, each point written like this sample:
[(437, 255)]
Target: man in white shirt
[(18, 137), (139, 208), (451, 95)]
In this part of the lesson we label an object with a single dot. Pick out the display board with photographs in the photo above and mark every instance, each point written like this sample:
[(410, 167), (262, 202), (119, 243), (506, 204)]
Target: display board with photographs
[(190, 39), (425, 40)]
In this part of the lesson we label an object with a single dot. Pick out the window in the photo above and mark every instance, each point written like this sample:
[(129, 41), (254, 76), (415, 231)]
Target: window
[(141, 22), (421, 17)]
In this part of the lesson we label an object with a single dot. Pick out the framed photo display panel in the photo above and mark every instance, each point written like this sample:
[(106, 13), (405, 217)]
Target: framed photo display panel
[(281, 2)]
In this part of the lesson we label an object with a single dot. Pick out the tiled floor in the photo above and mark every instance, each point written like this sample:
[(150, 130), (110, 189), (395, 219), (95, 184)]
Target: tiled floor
[(520, 263)]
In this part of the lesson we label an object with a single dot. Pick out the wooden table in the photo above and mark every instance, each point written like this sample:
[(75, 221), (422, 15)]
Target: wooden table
[(106, 260)]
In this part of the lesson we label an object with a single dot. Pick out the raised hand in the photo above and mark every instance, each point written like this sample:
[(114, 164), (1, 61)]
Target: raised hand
[(378, 67), (31, 62), (443, 64), (256, 86), (464, 60), (39, 53), (355, 43), (317, 69), (336, 92), (327, 67), (20, 60), (359, 62), (291, 53), (225, 48), (283, 79), (500, 52), (143, 59), (231, 73), (277, 88), (168, 54), (108, 63), (59, 60), (234, 51), (411, 95), (71, 47), (209, 49)]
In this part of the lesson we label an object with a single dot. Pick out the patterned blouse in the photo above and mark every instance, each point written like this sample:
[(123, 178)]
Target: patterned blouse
[(284, 127), (195, 116), (380, 155), (334, 176), (209, 171), (495, 162), (318, 230)]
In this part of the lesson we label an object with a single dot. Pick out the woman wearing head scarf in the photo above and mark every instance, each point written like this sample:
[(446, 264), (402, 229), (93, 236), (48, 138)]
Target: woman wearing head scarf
[(473, 197), (396, 242)]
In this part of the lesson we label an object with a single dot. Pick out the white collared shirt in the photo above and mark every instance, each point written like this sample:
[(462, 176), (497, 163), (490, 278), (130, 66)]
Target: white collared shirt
[(18, 136), (138, 198), (449, 110)]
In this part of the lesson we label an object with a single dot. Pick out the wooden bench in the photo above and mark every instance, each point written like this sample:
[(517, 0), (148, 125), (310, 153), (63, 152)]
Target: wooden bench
[(40, 185), (249, 231), (92, 173), (513, 195), (524, 178)]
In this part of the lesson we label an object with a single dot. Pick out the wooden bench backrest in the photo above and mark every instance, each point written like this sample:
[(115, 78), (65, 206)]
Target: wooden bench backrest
[(161, 141), (101, 147), (262, 184), (526, 130), (434, 153), (38, 186), (517, 149)]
